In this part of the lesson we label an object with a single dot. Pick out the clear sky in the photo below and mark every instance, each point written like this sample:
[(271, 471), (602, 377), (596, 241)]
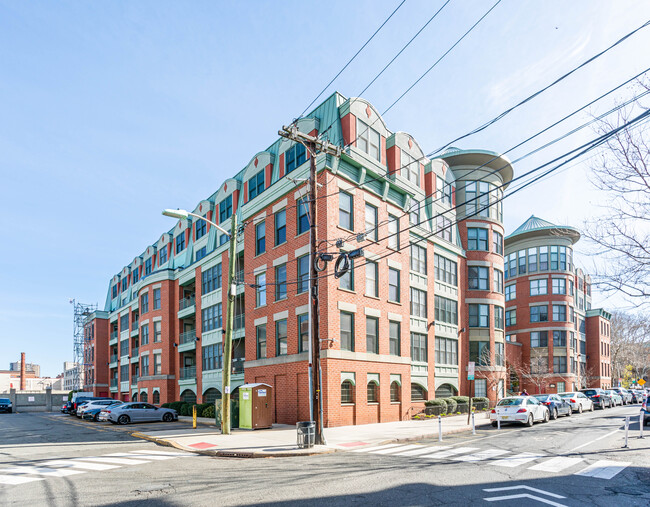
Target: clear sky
[(112, 111)]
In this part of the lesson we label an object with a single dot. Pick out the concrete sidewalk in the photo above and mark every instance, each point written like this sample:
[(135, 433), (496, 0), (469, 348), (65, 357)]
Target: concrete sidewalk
[(281, 439)]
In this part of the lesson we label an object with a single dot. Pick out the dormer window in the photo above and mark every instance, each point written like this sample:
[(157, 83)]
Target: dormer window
[(124, 284), (147, 267), (136, 272), (368, 140), (410, 168), (225, 209), (180, 242), (163, 256), (295, 157), (200, 228), (443, 191), (256, 185), (114, 291)]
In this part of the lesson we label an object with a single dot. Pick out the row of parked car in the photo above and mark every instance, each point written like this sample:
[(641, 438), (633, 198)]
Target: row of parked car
[(528, 409), (117, 412)]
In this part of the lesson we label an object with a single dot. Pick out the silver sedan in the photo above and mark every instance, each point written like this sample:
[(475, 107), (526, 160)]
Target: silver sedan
[(578, 401), (138, 412)]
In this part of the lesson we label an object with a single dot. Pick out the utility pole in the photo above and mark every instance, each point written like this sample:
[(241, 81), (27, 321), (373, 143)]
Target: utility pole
[(313, 145), (227, 340)]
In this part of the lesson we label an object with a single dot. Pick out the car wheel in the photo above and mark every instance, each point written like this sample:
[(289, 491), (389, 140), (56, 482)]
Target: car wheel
[(96, 418), (554, 416), (580, 409), (602, 405), (123, 419), (568, 414), (494, 424), (168, 417), (592, 407), (547, 417), (530, 421)]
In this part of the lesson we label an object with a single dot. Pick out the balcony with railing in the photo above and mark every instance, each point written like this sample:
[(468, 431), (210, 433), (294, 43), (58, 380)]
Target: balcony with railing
[(188, 373), (114, 337), (113, 358), (113, 383), (188, 336), (186, 302), (237, 365), (134, 325), (134, 353), (239, 326)]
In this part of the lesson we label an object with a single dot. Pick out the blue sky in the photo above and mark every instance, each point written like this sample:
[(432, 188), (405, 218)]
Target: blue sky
[(112, 111)]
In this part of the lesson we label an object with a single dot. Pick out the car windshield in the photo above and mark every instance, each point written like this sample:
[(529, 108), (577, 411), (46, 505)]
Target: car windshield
[(542, 397), (590, 392), (566, 395), (506, 402), (5, 400)]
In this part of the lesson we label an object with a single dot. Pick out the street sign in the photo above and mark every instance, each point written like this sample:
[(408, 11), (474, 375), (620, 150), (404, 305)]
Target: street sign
[(641, 382), (470, 370)]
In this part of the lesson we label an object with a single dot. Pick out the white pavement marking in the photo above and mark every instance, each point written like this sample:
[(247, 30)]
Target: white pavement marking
[(154, 457), (396, 449), (166, 453), (481, 455), (376, 448), (17, 479), (594, 440), (73, 463), (450, 452), (604, 469), (518, 460), (522, 486), (524, 495), (556, 464), (115, 461), (423, 449), (33, 470)]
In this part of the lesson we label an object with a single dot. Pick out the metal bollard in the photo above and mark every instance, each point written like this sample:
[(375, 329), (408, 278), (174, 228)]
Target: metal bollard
[(641, 425), (194, 417), (439, 429), (627, 427), (473, 425), (498, 420)]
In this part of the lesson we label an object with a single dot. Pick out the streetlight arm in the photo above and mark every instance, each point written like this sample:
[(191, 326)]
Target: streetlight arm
[(182, 214)]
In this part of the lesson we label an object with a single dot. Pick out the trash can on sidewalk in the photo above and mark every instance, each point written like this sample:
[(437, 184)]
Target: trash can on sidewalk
[(306, 434)]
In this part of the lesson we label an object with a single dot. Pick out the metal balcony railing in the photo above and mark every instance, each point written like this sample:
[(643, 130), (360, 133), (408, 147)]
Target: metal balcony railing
[(188, 336), (113, 358), (134, 325), (186, 302), (240, 321), (113, 382), (239, 275), (237, 365), (134, 379), (188, 373), (114, 335)]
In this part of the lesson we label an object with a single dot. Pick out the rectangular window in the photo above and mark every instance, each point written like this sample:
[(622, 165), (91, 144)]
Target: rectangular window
[(479, 352), (372, 279), (371, 222), (446, 310), (201, 252), (479, 315), (446, 271), (157, 364), (346, 211), (211, 317), (144, 335), (280, 282), (498, 281), (212, 357), (543, 258), (225, 209), (136, 275), (260, 289), (522, 261), (478, 278), (393, 232), (368, 140), (443, 228), (162, 256), (418, 259), (180, 242), (125, 282), (157, 332), (260, 238), (497, 242), (539, 339), (532, 260), (223, 239), (124, 348), (559, 285), (303, 215), (446, 351), (539, 313), (419, 347), (498, 317), (410, 168), (538, 287), (156, 299), (280, 227), (559, 313), (414, 213), (347, 331), (418, 303), (477, 238), (480, 387), (511, 318), (124, 322), (256, 185), (559, 364), (144, 366), (211, 279), (511, 292), (303, 274), (281, 337), (347, 280), (303, 332), (260, 333), (554, 258), (124, 372), (114, 291), (394, 334), (144, 303), (372, 335), (295, 157), (559, 338), (499, 354), (393, 285)]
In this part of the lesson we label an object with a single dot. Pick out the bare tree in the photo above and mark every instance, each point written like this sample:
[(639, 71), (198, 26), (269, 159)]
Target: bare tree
[(492, 370), (538, 373), (629, 342), (622, 233)]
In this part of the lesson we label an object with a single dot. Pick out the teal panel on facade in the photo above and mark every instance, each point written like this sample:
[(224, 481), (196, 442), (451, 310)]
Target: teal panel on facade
[(376, 186), (396, 197), (349, 170)]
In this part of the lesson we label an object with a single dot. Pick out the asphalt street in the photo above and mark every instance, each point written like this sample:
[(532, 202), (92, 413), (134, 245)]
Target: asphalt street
[(51, 459)]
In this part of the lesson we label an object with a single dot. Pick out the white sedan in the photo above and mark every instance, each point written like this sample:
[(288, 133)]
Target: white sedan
[(579, 402), (522, 409)]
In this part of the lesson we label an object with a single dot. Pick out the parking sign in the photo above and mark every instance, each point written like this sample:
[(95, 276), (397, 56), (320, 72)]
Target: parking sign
[(470, 370)]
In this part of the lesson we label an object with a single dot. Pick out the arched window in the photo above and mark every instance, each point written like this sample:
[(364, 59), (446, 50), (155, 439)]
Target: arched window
[(346, 392), (156, 397), (211, 395), (373, 392), (394, 392), (188, 396), (445, 391), (418, 393), (135, 397), (144, 396)]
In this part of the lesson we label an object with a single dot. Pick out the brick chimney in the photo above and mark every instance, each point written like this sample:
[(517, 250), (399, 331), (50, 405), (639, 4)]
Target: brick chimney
[(23, 380)]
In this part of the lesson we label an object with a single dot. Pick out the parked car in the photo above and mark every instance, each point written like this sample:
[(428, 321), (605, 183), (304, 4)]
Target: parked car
[(93, 413), (65, 408), (6, 405), (616, 398), (637, 395), (578, 401), (522, 409), (556, 405), (139, 412), (600, 398), (77, 400), (89, 405), (623, 393)]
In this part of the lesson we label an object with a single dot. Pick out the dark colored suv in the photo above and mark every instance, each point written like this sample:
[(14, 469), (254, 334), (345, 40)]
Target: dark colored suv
[(6, 405), (600, 397)]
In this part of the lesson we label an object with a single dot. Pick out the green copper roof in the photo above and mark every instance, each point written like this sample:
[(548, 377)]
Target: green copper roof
[(534, 224)]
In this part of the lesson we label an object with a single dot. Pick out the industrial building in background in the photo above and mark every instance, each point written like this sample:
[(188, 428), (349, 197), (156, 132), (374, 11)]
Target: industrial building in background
[(428, 292)]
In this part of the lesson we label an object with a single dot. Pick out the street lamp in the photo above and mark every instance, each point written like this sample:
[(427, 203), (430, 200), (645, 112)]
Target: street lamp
[(227, 343)]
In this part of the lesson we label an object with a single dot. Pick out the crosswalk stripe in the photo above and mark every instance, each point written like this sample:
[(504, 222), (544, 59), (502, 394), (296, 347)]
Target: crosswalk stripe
[(450, 452), (34, 470), (17, 479), (422, 450), (604, 469), (114, 461), (396, 449), (376, 448), (481, 455), (74, 463), (165, 453), (556, 464), (154, 457), (517, 459)]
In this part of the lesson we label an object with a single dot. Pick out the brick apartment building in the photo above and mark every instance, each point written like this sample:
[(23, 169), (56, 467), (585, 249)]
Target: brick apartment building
[(399, 328)]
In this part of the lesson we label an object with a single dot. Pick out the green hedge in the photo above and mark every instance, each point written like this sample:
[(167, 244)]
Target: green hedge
[(435, 403), (480, 399), (166, 405), (451, 404), (460, 399), (208, 411)]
